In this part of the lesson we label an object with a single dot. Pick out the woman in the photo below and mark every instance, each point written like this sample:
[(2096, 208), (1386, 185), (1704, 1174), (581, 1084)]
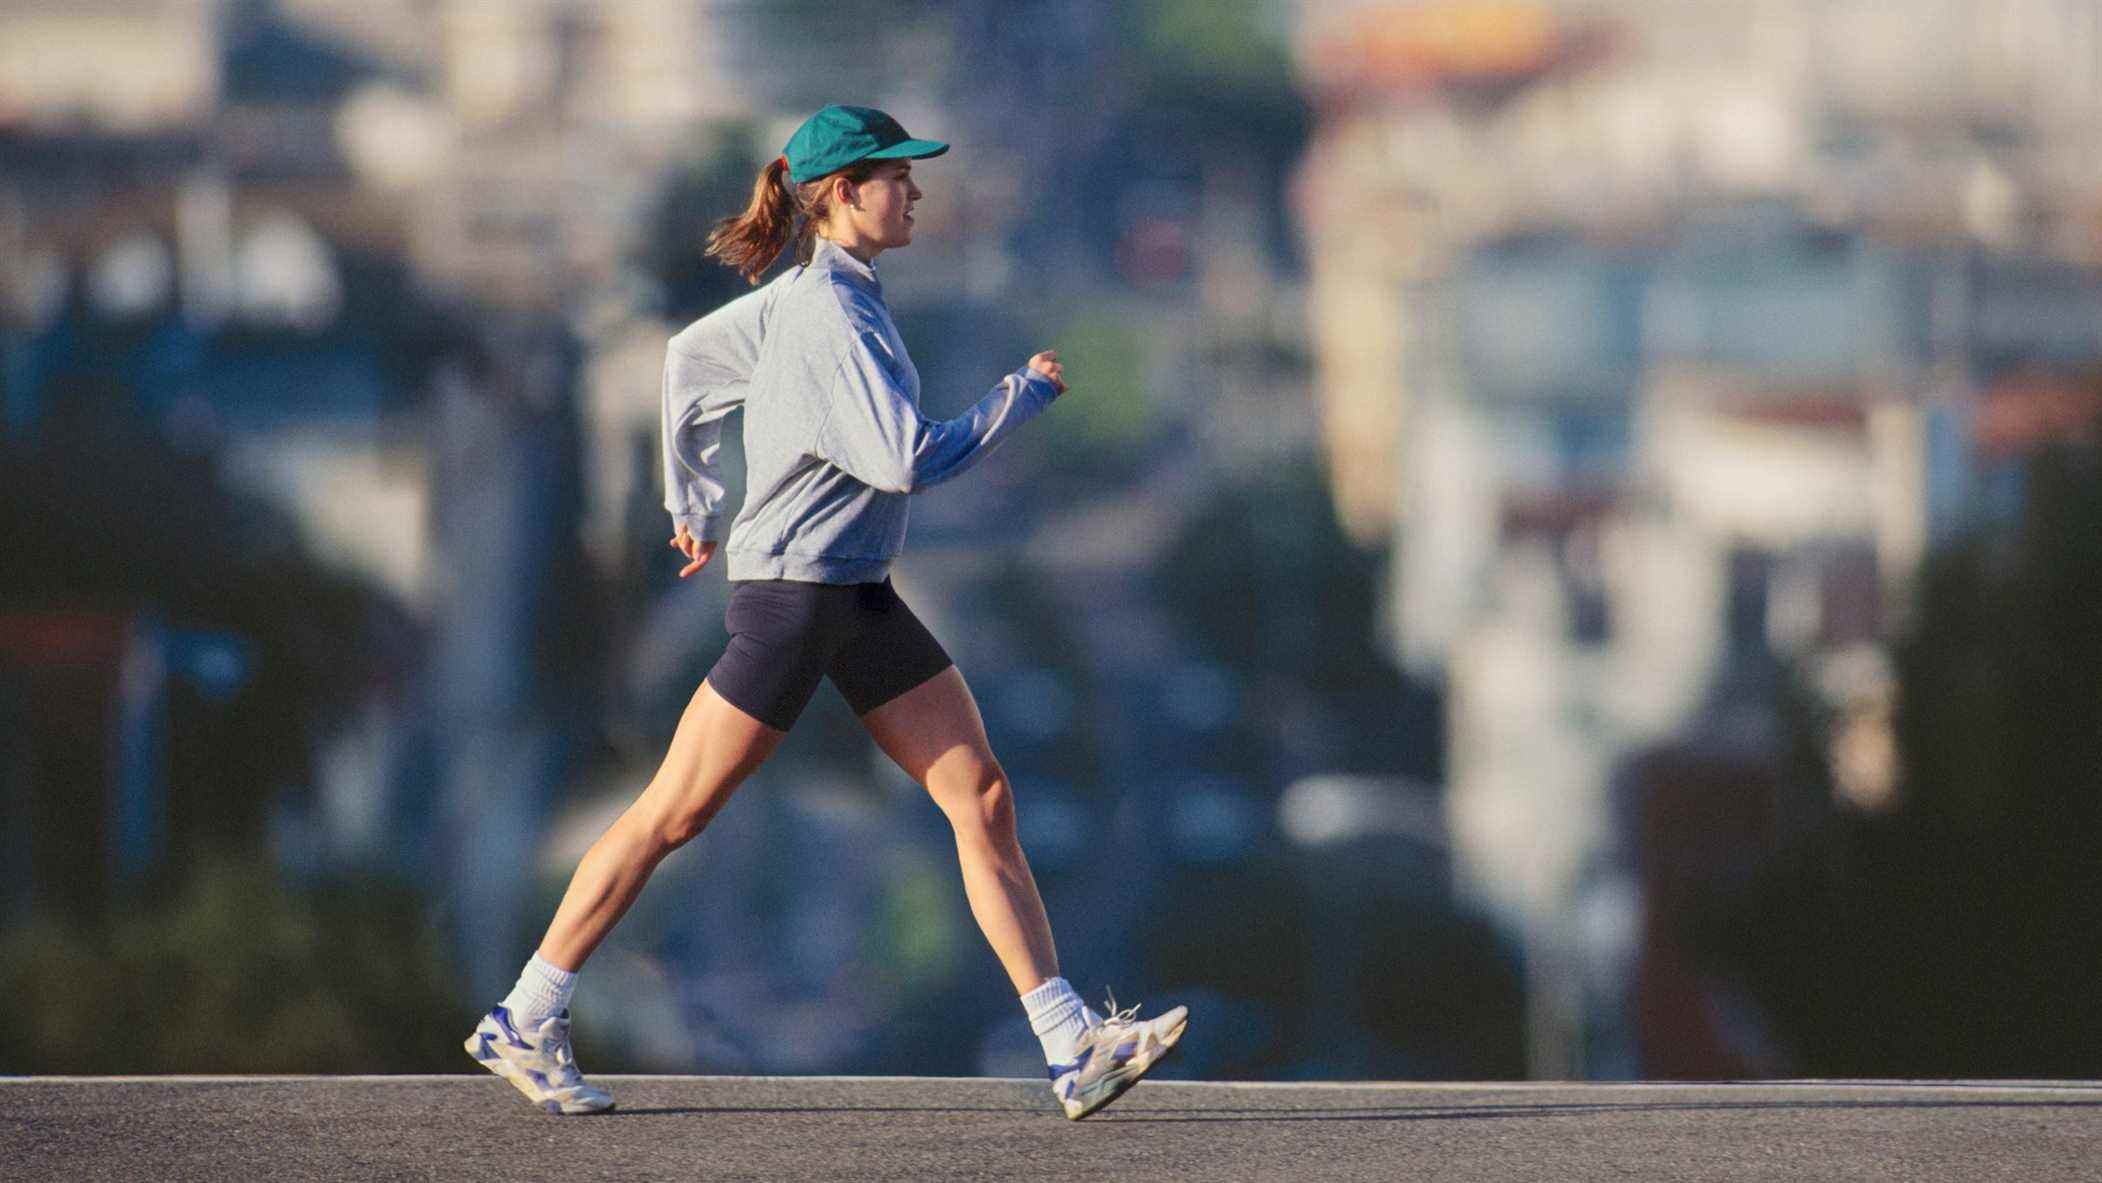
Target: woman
[(834, 443)]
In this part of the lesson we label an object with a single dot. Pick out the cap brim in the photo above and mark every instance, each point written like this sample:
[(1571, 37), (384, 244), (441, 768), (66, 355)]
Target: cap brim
[(909, 150)]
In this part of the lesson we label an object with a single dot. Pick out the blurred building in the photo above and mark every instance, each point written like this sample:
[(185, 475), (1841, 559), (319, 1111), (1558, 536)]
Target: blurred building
[(87, 703), (131, 65), (1449, 122), (232, 239), (1662, 341)]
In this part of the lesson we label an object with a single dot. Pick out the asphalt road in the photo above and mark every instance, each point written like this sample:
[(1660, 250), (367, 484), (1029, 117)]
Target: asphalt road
[(283, 1129)]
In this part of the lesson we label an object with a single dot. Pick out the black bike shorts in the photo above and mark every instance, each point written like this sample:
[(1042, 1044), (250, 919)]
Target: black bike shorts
[(786, 635)]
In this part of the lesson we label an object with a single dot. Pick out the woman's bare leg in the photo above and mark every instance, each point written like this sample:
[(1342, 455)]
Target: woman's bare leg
[(935, 734), (714, 749)]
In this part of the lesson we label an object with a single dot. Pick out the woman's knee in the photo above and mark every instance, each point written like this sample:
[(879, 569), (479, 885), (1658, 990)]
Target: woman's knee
[(676, 830), (681, 825), (652, 833), (981, 802)]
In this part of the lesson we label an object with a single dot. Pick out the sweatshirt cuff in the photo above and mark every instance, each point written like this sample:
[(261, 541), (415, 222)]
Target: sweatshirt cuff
[(703, 527), (1046, 389)]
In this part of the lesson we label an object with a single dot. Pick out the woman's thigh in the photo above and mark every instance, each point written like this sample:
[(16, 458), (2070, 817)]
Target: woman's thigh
[(935, 733), (717, 745)]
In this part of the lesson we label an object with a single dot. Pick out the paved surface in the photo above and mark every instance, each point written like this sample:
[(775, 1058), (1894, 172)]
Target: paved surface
[(439, 1127)]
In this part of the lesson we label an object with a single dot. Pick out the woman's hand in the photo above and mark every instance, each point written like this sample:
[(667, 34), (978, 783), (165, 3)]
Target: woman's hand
[(1046, 363), (699, 552)]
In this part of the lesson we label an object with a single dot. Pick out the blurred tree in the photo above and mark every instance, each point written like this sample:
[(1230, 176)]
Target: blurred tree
[(269, 59), (691, 198), (210, 963), (1443, 989), (1398, 981), (1239, 46), (103, 515), (1015, 593), (1102, 429), (1264, 582), (2000, 729), (1242, 930), (1214, 78), (1953, 935), (233, 974)]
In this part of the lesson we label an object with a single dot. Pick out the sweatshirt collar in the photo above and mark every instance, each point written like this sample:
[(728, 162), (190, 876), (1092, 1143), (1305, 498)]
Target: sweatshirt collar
[(834, 257)]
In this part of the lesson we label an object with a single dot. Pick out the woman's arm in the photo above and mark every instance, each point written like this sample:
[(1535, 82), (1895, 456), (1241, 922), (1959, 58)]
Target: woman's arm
[(872, 430), (707, 369)]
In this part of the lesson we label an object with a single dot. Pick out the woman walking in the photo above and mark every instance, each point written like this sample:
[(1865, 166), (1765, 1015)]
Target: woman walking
[(834, 444)]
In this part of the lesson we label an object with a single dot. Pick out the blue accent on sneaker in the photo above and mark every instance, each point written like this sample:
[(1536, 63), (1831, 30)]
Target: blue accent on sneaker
[(1086, 1054), (503, 1022), (538, 1078)]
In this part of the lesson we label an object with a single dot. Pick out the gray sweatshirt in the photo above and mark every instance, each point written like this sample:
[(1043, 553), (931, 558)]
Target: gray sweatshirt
[(833, 435)]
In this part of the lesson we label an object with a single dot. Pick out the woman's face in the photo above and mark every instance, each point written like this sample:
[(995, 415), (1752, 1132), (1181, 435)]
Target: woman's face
[(878, 212)]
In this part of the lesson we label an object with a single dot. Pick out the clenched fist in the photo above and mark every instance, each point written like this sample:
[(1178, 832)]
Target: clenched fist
[(1046, 363)]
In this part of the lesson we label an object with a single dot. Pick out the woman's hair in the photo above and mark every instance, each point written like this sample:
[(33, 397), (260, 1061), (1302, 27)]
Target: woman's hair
[(780, 212)]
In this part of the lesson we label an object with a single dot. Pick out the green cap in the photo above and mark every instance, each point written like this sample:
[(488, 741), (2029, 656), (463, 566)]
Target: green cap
[(838, 136)]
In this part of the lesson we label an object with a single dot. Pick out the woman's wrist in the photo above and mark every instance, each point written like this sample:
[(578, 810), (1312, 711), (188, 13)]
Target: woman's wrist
[(703, 527), (1032, 374)]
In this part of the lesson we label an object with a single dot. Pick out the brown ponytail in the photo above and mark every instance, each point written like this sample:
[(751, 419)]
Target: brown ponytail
[(777, 215), (751, 241)]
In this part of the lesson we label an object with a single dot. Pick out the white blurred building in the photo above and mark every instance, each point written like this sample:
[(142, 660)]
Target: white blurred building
[(1443, 123), (1649, 334), (120, 65)]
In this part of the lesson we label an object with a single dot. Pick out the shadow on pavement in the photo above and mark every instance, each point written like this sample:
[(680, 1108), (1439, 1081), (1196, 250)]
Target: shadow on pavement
[(1386, 1113), (670, 1110)]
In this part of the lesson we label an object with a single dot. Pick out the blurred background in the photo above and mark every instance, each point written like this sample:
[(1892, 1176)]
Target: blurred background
[(1574, 550)]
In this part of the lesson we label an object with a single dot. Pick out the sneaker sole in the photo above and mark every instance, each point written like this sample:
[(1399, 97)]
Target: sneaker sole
[(1132, 1073), (507, 1071)]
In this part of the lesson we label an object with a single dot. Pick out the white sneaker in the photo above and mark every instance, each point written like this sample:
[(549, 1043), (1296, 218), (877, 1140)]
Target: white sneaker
[(1113, 1056), (542, 1066)]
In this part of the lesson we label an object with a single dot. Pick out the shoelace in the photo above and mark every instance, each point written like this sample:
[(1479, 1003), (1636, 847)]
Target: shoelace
[(1119, 1018)]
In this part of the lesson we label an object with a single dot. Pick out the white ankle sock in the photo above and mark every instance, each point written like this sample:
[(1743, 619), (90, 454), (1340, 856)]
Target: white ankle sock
[(542, 990), (1059, 1019)]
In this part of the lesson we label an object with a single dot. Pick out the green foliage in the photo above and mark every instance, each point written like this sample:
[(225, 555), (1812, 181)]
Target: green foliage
[(1231, 42), (1221, 72), (1109, 406), (235, 973), (916, 943)]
